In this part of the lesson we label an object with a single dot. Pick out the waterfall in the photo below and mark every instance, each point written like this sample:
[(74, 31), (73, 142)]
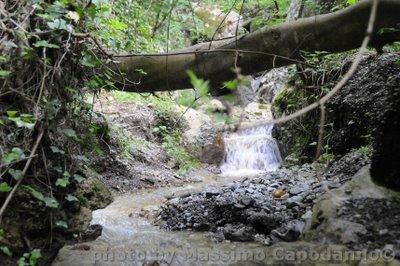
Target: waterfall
[(251, 151)]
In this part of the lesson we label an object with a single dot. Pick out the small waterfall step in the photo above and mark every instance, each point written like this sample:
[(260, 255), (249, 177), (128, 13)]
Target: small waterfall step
[(251, 151)]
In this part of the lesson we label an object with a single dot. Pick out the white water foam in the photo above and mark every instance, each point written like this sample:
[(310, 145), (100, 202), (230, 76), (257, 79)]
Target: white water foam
[(251, 151)]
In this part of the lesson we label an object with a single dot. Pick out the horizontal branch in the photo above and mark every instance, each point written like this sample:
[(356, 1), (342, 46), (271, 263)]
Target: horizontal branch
[(263, 49)]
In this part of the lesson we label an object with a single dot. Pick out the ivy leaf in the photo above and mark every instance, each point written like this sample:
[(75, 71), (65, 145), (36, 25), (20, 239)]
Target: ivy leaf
[(4, 74), (44, 43), (4, 187), (60, 24), (62, 182), (15, 173), (55, 149), (24, 120), (70, 198), (89, 60), (78, 178), (69, 132), (14, 155), (36, 194), (6, 251), (51, 202), (62, 224)]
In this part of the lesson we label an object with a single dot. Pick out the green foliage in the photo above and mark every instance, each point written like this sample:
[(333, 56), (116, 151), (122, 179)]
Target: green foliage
[(4, 187), (184, 160), (48, 201), (199, 85), (14, 155), (30, 258), (62, 224), (365, 150), (351, 2)]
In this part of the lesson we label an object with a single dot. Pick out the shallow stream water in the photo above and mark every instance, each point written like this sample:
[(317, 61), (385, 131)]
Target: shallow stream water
[(130, 239)]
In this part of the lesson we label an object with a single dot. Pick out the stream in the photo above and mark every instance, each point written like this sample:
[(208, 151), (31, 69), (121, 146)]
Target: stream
[(129, 238)]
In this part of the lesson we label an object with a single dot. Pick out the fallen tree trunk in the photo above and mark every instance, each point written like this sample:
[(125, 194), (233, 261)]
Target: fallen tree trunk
[(264, 49)]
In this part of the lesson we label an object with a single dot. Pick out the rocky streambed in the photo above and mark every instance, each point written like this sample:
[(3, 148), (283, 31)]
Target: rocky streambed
[(270, 208)]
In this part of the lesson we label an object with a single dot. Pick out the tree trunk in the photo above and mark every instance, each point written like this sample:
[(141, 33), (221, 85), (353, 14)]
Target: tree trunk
[(334, 32)]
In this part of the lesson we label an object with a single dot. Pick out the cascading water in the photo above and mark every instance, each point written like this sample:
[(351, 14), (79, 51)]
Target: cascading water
[(251, 151)]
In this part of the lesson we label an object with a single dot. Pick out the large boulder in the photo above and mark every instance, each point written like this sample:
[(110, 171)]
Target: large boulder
[(352, 115), (385, 168)]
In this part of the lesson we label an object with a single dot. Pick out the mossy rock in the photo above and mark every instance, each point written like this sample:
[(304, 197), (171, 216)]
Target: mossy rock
[(92, 193)]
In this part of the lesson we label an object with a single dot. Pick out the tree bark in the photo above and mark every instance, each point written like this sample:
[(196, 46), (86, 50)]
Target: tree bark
[(334, 32)]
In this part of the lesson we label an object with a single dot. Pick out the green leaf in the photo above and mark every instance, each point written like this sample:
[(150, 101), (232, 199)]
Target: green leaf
[(351, 2), (198, 84), (12, 113), (89, 60), (4, 187), (35, 255), (60, 24), (51, 202), (36, 194), (24, 120), (14, 155), (6, 251), (231, 84), (70, 133), (69, 197), (55, 149), (78, 178), (44, 43), (62, 182), (15, 173), (4, 73), (115, 24), (62, 224)]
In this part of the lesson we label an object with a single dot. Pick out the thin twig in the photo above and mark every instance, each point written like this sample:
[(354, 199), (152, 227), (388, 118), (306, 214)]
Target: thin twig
[(33, 152)]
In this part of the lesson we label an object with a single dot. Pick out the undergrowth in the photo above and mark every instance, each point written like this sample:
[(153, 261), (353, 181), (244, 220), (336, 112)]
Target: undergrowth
[(168, 128)]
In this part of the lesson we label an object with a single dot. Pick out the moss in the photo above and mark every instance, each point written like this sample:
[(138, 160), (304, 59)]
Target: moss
[(184, 160), (168, 129), (92, 193)]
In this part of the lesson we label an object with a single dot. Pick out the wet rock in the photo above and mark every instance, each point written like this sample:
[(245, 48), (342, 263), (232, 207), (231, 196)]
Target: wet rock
[(238, 233), (298, 189), (292, 231), (212, 192), (385, 167), (92, 232), (249, 204), (215, 152), (368, 218), (247, 201)]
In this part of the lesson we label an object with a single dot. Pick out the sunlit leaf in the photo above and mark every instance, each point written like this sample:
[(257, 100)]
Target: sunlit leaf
[(15, 173), (55, 149), (44, 43), (14, 155), (4, 187), (62, 224), (69, 197), (4, 73), (62, 182), (6, 251), (78, 178)]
